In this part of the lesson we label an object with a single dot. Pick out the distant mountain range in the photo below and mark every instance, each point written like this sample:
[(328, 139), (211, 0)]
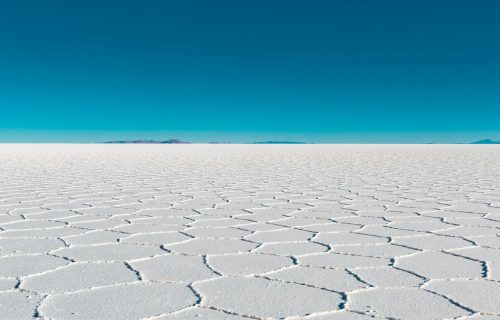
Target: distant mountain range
[(176, 141), (278, 142), (171, 141), (486, 141)]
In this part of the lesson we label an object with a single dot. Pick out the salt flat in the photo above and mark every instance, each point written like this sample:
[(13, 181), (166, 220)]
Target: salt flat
[(249, 231)]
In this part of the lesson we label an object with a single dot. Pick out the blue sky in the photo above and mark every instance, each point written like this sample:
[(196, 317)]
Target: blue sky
[(240, 71)]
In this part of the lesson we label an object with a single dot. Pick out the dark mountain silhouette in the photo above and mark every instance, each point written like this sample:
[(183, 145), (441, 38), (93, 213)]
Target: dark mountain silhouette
[(171, 141), (176, 141), (486, 141), (279, 142)]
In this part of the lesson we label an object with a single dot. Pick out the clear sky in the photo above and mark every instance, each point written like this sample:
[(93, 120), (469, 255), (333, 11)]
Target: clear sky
[(250, 70)]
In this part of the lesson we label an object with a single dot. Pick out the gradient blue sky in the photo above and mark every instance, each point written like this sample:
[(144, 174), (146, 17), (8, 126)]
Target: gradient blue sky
[(316, 71)]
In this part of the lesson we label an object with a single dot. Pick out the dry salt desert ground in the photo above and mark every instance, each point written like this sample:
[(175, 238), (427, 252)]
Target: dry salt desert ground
[(249, 232)]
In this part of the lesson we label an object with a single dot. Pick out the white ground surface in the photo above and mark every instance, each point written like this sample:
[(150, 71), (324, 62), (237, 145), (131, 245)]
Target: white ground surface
[(235, 232)]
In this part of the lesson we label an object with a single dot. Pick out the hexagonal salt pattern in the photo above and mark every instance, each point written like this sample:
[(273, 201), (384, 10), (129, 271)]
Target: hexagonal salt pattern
[(249, 232)]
